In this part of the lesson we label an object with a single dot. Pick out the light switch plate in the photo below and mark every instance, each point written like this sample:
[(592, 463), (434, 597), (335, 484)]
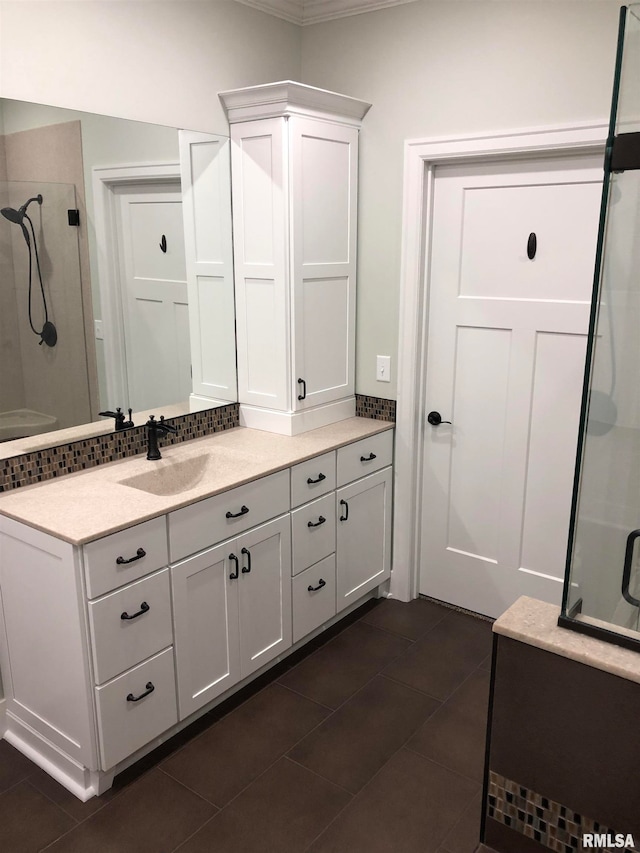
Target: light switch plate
[(383, 368)]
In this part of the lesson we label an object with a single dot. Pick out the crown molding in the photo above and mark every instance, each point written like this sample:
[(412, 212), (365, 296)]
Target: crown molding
[(288, 10), (317, 11), (286, 98), (305, 12)]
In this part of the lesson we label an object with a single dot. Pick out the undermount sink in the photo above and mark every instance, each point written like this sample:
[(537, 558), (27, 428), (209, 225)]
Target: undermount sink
[(169, 477)]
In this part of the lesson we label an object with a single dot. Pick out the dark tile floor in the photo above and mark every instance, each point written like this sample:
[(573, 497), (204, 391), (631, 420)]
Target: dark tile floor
[(372, 742)]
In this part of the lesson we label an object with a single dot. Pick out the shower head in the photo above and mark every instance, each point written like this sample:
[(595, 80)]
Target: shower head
[(17, 216), (12, 215)]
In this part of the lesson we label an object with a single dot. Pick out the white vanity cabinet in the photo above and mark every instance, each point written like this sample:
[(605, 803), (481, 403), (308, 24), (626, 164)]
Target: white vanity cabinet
[(363, 532), (294, 162), (232, 611), (109, 647)]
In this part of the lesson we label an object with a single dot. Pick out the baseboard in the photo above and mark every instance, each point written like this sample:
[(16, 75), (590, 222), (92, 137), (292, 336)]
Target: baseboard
[(71, 775)]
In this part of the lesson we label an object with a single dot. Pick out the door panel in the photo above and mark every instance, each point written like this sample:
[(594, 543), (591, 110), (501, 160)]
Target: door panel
[(494, 260), (505, 360), (363, 536), (480, 387), (154, 293), (264, 593), (205, 606)]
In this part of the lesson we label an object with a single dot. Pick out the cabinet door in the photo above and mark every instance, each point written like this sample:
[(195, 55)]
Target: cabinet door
[(205, 606), (324, 164), (264, 593), (363, 536)]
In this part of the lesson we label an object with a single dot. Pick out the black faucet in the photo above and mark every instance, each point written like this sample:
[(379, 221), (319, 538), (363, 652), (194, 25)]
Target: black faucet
[(121, 423), (153, 428)]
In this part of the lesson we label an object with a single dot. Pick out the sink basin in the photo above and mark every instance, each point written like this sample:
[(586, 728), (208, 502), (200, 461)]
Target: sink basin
[(169, 477)]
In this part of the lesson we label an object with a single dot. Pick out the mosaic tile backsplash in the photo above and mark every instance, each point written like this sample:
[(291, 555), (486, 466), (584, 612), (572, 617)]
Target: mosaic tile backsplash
[(77, 455), (375, 407), (64, 459), (549, 823)]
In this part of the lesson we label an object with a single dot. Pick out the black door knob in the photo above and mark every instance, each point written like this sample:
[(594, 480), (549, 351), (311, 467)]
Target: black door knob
[(435, 419)]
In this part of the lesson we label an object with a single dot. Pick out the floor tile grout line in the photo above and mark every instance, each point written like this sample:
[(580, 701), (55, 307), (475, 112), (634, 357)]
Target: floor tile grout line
[(14, 785), (370, 781), (404, 746), (78, 820), (320, 776), (195, 832), (443, 766)]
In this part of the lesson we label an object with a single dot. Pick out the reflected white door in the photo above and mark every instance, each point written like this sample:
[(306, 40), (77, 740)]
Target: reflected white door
[(154, 295), (505, 363)]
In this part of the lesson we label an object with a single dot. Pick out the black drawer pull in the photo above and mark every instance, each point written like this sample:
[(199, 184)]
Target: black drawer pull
[(140, 553), (246, 569), (321, 520), (368, 458), (321, 583), (148, 689), (144, 608), (234, 575), (243, 511), (302, 396), (346, 511), (321, 477)]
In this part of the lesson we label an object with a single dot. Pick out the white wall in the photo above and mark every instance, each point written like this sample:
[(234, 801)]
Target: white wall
[(440, 69), (162, 61), (430, 68)]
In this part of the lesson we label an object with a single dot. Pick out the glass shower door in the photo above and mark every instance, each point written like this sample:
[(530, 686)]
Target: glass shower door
[(602, 583)]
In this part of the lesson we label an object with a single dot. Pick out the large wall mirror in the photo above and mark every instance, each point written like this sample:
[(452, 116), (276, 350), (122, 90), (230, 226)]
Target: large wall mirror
[(139, 288)]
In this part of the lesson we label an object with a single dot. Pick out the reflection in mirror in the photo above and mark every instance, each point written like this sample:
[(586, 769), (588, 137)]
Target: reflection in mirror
[(137, 303)]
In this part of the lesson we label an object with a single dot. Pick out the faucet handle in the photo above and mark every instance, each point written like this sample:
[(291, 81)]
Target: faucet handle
[(167, 427), (130, 422), (118, 415)]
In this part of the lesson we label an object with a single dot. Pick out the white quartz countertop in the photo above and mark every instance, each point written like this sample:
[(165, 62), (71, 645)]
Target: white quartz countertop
[(90, 504), (536, 623)]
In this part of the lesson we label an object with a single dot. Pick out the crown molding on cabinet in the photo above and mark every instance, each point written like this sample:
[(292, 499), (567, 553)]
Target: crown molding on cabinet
[(287, 98), (305, 12)]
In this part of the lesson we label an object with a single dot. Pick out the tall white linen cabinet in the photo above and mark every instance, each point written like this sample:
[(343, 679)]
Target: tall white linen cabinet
[(294, 164)]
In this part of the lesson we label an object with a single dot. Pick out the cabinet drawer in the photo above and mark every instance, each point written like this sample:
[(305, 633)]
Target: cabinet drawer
[(365, 456), (125, 556), (120, 643), (312, 543), (125, 725), (313, 478), (207, 522), (312, 607)]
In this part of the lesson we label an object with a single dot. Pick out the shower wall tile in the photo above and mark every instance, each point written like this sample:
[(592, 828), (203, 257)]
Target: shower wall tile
[(61, 381)]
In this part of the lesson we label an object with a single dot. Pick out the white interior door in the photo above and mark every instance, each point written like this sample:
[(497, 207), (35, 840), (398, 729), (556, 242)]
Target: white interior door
[(505, 363), (154, 295)]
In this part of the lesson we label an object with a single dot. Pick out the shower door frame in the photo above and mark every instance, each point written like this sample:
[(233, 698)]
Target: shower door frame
[(421, 157)]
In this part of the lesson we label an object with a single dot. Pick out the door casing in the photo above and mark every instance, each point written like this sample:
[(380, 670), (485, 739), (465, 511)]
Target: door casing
[(421, 157)]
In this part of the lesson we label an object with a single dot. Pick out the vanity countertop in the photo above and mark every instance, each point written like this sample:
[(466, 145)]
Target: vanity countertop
[(536, 623), (89, 504)]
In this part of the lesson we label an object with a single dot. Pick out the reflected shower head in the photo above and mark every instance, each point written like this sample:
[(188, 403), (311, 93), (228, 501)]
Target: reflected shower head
[(12, 215), (17, 216)]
